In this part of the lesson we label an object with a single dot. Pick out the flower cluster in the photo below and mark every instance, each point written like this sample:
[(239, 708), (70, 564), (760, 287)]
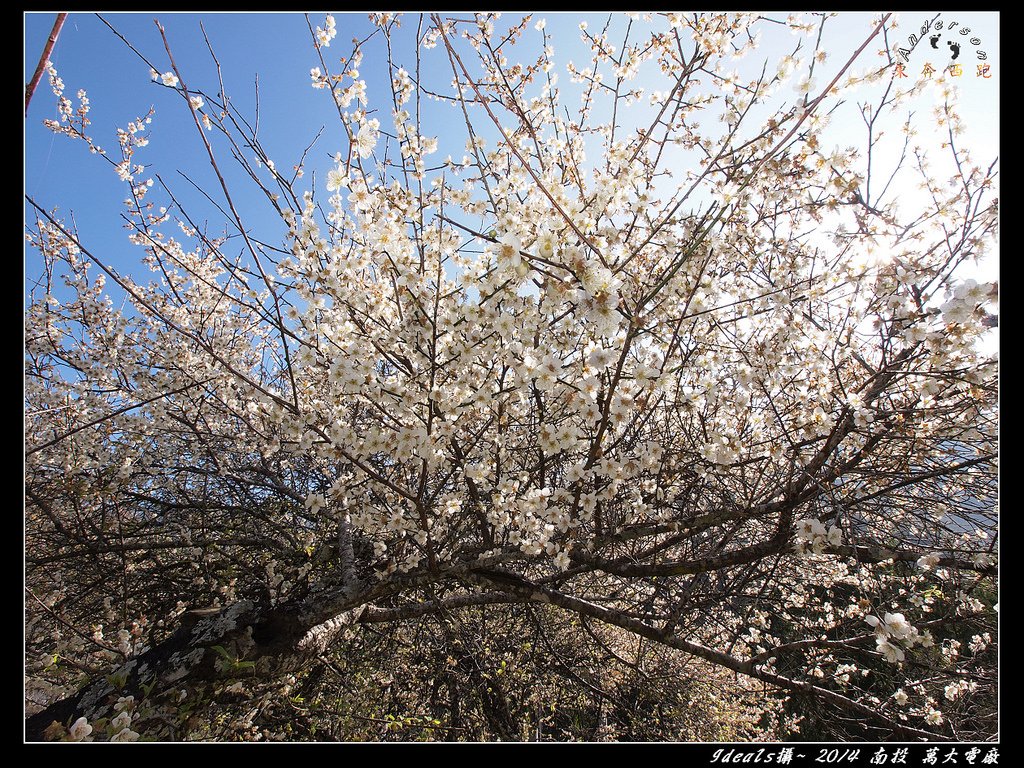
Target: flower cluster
[(812, 536), (324, 36), (893, 634)]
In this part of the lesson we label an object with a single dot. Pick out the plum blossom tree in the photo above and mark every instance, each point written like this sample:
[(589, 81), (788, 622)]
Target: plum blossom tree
[(656, 368)]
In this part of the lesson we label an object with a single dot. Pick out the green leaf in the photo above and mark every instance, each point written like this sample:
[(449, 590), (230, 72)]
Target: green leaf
[(220, 649)]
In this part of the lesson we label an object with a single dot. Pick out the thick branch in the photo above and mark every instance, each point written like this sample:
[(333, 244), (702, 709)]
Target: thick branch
[(45, 57)]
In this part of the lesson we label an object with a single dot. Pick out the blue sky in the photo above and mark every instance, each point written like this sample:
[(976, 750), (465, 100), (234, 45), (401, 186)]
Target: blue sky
[(277, 48)]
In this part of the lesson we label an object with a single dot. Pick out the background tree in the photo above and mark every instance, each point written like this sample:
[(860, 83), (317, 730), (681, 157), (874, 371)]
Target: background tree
[(656, 416)]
